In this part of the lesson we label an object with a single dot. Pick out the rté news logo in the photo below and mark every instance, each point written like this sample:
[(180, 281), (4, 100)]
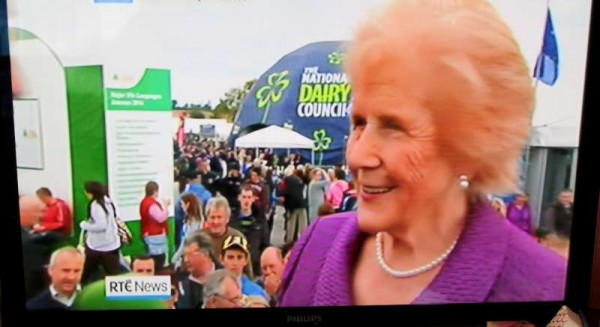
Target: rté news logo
[(129, 287)]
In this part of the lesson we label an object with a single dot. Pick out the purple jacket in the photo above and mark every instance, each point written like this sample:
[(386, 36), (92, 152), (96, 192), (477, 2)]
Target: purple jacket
[(492, 262)]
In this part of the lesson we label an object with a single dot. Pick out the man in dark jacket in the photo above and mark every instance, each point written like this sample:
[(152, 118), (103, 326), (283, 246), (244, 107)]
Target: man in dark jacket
[(230, 188), (253, 224), (199, 262), (291, 190), (559, 217), (34, 249), (208, 177), (65, 269), (218, 163), (262, 193)]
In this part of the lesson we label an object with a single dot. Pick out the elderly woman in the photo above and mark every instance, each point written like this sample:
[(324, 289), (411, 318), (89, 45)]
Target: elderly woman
[(442, 101), (519, 214)]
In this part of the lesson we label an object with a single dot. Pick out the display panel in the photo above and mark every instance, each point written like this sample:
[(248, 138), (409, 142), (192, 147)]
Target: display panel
[(98, 73)]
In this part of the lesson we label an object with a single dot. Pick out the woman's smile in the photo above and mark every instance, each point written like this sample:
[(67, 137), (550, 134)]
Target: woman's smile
[(370, 193)]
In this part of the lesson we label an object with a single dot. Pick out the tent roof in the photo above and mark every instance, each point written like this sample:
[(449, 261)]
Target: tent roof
[(555, 136), (274, 137)]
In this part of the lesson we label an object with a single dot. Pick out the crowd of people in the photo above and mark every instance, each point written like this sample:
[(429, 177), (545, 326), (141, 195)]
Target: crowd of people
[(225, 208), (224, 228)]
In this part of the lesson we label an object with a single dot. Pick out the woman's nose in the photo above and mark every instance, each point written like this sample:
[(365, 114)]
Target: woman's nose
[(362, 151)]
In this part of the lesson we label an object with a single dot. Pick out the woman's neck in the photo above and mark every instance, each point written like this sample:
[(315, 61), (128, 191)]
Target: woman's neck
[(430, 230)]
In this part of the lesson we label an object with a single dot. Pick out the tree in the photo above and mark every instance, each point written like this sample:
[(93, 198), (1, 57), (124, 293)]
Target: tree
[(231, 102), (200, 114), (227, 107)]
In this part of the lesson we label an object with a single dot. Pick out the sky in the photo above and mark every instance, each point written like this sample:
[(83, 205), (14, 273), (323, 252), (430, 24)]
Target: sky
[(211, 46)]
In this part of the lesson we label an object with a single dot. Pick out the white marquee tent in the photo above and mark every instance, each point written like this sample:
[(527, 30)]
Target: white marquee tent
[(275, 137)]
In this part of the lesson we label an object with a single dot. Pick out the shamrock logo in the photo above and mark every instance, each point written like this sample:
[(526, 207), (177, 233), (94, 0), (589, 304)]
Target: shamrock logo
[(336, 58), (273, 91), (322, 141)]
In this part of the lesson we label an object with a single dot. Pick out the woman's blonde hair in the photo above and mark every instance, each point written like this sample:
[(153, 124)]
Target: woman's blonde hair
[(458, 60)]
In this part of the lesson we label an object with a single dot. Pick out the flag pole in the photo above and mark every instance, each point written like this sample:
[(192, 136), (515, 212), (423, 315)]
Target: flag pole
[(537, 61), (535, 86)]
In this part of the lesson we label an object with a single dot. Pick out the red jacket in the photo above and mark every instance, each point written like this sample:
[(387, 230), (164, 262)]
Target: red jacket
[(149, 225), (58, 218)]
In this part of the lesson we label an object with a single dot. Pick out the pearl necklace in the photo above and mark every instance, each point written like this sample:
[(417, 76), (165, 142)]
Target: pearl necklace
[(412, 272)]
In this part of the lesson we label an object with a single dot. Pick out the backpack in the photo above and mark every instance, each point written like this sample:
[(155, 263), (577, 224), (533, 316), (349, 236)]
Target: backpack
[(123, 231)]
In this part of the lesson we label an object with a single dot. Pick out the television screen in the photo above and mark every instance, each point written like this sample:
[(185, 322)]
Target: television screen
[(289, 154)]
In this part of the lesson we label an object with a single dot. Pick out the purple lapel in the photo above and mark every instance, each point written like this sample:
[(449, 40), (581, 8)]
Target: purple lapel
[(333, 286), (471, 270), (463, 278)]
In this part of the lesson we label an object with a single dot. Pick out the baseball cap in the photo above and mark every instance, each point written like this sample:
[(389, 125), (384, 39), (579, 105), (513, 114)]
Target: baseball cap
[(234, 241)]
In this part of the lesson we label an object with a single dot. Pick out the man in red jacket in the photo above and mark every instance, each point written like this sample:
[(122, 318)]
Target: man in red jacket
[(57, 216)]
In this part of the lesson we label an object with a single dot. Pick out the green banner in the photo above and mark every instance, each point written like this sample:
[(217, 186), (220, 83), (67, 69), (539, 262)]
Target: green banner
[(152, 93)]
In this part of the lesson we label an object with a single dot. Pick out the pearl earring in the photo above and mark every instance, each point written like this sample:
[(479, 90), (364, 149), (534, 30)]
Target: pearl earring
[(464, 182)]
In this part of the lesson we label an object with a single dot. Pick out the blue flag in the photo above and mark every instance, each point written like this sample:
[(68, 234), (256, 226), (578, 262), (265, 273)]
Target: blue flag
[(546, 66)]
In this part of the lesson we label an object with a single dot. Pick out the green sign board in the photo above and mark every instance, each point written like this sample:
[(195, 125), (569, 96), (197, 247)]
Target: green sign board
[(152, 93)]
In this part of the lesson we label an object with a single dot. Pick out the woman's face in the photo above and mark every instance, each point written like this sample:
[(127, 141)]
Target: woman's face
[(521, 199), (393, 157), (185, 206)]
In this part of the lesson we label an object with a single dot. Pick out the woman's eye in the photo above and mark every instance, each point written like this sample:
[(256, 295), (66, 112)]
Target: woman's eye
[(358, 123), (390, 124)]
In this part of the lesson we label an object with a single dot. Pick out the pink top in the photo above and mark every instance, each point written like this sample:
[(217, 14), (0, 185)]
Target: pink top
[(158, 214), (336, 193)]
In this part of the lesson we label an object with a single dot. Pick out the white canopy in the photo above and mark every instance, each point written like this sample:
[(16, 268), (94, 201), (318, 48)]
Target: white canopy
[(555, 136), (274, 137)]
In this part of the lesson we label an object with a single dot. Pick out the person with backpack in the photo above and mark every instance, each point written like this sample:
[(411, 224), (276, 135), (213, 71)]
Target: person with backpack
[(349, 199), (100, 235)]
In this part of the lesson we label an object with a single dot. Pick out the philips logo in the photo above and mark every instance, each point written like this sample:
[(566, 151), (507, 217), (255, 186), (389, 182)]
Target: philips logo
[(138, 287), (304, 319)]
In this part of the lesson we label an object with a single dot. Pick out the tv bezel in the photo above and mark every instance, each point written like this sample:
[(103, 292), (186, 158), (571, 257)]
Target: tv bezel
[(578, 276)]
